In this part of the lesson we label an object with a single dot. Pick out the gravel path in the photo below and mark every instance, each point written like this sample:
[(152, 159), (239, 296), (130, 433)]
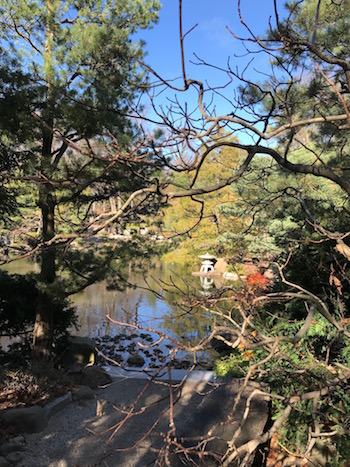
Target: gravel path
[(78, 435)]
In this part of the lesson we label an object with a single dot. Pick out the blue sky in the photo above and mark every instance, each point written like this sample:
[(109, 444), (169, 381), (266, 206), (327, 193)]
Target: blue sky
[(210, 41)]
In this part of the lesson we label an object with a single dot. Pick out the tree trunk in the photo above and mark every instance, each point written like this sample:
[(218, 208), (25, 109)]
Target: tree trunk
[(43, 327)]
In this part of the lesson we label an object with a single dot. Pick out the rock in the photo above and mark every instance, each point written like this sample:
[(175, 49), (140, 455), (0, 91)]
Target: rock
[(220, 346), (322, 454), (18, 439), (94, 376), (221, 265), (15, 457), (215, 413), (27, 419), (135, 360), (231, 276), (117, 358), (4, 462), (83, 393), (131, 347), (60, 463), (58, 404), (77, 353), (10, 446)]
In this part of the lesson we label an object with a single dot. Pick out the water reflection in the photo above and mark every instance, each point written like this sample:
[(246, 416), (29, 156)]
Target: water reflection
[(207, 283), (160, 302), (22, 266), (138, 306), (155, 299)]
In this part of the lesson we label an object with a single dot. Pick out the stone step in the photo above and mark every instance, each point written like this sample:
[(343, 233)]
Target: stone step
[(160, 375)]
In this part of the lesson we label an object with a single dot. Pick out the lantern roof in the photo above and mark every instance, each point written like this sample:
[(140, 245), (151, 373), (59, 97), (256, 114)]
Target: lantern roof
[(207, 256)]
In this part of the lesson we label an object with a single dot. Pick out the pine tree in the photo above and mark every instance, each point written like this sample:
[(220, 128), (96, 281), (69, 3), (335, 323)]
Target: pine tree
[(80, 58)]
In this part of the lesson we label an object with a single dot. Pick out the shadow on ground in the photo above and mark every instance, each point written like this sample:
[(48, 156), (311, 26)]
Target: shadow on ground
[(127, 422)]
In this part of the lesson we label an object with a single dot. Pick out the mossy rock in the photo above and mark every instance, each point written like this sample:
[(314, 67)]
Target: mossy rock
[(76, 352)]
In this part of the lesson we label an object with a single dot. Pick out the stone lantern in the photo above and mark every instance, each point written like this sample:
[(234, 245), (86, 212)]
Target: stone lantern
[(207, 263)]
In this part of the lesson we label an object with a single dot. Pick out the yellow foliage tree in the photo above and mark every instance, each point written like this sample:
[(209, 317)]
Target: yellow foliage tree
[(196, 223)]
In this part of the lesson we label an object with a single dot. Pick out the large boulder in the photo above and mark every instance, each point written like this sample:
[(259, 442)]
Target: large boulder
[(25, 420), (76, 352), (215, 414), (95, 376)]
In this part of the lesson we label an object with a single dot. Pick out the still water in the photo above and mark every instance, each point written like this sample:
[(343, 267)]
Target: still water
[(149, 301), (153, 299)]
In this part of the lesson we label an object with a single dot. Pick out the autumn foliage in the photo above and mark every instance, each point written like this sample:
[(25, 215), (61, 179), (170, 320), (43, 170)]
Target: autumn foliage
[(258, 281)]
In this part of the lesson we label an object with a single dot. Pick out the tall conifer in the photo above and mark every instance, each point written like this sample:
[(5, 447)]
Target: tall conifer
[(82, 58)]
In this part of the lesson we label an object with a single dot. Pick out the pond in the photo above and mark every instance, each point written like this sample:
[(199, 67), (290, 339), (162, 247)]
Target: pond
[(150, 302)]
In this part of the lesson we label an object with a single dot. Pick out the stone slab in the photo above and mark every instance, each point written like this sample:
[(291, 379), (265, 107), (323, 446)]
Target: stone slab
[(58, 404), (163, 375)]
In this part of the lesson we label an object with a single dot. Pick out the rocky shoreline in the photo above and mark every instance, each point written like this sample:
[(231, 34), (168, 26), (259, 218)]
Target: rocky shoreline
[(140, 350), (82, 360)]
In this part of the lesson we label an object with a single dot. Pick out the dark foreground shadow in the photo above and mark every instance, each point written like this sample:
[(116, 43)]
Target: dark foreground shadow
[(136, 422)]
